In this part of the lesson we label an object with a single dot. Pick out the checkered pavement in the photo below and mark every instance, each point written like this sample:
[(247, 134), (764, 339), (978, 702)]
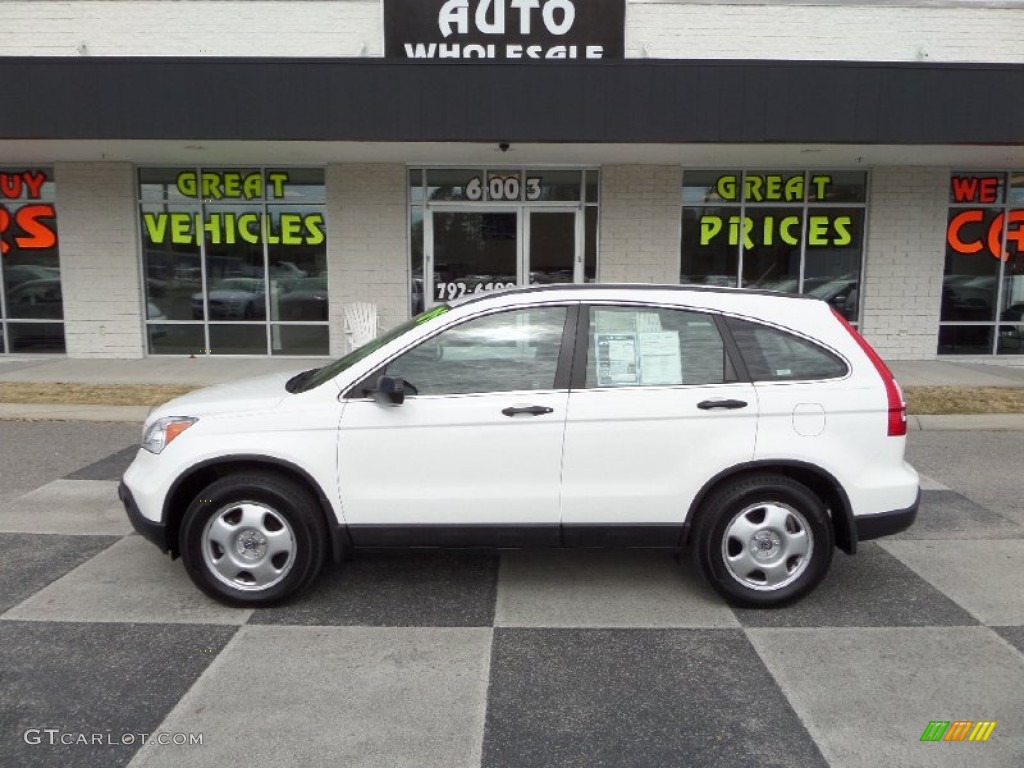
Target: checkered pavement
[(541, 658)]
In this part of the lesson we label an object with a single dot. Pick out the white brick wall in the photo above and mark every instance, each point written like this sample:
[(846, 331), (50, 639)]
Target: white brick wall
[(99, 259), (826, 30), (640, 223), (367, 243), (901, 30), (904, 264)]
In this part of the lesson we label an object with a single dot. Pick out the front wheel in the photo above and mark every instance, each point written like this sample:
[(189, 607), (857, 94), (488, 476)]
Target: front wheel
[(253, 539), (764, 540)]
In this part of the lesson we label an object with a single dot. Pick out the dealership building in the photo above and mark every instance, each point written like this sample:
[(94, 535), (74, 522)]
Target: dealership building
[(234, 177)]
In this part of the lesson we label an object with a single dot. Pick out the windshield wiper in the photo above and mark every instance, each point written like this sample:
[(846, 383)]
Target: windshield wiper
[(298, 381)]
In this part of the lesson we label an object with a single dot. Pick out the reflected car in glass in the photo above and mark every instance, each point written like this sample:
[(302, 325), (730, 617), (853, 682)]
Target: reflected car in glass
[(232, 298), (756, 429)]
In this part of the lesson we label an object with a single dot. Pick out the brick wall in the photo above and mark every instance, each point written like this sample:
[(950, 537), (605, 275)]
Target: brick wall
[(900, 30), (904, 265), (99, 259), (640, 224), (367, 243)]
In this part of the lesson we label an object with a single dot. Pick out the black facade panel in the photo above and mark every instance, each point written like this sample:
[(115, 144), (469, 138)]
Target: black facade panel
[(631, 101)]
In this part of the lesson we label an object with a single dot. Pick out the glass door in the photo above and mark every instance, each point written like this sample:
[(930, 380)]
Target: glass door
[(473, 249), (552, 252)]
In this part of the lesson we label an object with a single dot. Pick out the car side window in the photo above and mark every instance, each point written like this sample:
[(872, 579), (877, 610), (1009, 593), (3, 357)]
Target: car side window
[(652, 346), (503, 352), (774, 355)]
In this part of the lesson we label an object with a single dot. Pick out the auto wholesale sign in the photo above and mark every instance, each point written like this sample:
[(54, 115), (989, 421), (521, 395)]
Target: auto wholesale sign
[(504, 30)]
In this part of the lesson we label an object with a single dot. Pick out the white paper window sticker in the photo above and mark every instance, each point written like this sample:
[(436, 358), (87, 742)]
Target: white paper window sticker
[(616, 357), (660, 361)]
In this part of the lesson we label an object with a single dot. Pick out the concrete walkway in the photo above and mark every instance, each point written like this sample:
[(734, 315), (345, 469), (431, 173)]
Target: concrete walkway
[(205, 371)]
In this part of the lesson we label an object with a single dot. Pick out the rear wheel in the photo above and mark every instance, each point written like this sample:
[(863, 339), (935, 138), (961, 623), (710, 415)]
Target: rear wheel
[(253, 539), (764, 540)]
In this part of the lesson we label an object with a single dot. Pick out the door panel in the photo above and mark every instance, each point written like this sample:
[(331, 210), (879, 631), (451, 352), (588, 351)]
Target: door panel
[(479, 441), (552, 246), (650, 423), (473, 251)]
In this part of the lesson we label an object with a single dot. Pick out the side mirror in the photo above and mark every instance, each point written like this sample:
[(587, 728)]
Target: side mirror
[(390, 390)]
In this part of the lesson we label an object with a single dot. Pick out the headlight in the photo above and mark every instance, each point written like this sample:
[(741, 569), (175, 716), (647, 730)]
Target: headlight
[(162, 431)]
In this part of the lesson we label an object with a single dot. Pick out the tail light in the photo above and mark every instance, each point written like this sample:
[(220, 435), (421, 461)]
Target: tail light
[(893, 393)]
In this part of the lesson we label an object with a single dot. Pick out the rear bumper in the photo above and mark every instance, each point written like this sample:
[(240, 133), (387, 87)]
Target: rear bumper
[(887, 523), (155, 532)]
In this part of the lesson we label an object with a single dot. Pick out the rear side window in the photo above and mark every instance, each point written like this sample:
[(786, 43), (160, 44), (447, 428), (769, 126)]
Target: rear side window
[(653, 346), (774, 355)]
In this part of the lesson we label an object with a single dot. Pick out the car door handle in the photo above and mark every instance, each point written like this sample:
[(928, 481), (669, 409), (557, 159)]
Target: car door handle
[(707, 405), (532, 410)]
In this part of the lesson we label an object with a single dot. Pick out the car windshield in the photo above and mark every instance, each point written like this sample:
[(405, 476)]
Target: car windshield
[(318, 376)]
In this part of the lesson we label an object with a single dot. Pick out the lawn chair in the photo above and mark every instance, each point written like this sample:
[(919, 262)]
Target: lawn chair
[(362, 323)]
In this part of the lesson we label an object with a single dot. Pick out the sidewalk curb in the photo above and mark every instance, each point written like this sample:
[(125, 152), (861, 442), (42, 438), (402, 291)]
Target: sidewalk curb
[(55, 412), (1000, 422)]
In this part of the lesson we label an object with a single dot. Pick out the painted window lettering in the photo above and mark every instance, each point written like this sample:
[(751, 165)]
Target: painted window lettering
[(28, 227), (973, 230), (502, 188)]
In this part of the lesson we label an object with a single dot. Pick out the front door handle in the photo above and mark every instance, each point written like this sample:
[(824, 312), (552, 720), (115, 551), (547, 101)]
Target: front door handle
[(707, 405), (532, 410)]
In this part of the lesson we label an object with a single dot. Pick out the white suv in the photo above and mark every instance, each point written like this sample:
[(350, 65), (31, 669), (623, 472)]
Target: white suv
[(758, 426)]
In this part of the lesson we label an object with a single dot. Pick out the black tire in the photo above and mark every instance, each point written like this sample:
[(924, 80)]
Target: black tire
[(258, 513), (756, 561)]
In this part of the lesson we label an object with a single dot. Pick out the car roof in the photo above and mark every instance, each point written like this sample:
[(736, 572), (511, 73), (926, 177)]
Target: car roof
[(581, 291)]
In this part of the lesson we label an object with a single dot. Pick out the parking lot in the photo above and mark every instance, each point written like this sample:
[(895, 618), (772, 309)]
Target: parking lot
[(578, 658)]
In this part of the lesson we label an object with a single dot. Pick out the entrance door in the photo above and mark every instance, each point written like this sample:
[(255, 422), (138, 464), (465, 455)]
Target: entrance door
[(470, 250)]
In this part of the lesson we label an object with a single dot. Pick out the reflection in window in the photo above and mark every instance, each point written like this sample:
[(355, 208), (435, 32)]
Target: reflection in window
[(505, 352), (226, 248)]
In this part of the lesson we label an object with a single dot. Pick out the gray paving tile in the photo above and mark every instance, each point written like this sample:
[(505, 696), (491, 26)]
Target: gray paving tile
[(31, 561), (132, 581), (67, 506), (34, 453), (985, 577), (867, 695), (633, 588), (869, 589), (1013, 635), (337, 696), (613, 697), (948, 515), (399, 589), (116, 679), (111, 467)]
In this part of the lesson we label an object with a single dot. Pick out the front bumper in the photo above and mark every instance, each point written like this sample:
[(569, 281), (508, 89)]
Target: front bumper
[(155, 532), (887, 523)]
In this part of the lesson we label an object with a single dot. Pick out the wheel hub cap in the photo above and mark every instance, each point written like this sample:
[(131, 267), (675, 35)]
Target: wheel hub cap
[(764, 545), (251, 544)]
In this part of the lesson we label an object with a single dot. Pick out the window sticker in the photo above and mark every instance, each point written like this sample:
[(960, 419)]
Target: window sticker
[(660, 362), (616, 355)]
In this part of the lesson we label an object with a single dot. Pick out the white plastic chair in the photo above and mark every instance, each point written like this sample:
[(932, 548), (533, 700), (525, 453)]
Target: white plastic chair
[(361, 323)]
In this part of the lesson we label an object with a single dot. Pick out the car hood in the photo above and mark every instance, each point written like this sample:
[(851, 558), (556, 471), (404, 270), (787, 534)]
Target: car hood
[(259, 393)]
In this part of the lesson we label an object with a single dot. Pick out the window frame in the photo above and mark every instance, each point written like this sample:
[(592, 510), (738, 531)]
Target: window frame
[(360, 390), (735, 369), (848, 367)]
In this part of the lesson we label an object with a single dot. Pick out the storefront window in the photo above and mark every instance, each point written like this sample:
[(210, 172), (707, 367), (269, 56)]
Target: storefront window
[(785, 230), (983, 281), (31, 302), (235, 260)]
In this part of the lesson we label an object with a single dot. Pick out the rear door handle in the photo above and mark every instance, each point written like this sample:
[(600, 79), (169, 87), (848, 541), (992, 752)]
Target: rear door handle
[(707, 405), (532, 410)]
